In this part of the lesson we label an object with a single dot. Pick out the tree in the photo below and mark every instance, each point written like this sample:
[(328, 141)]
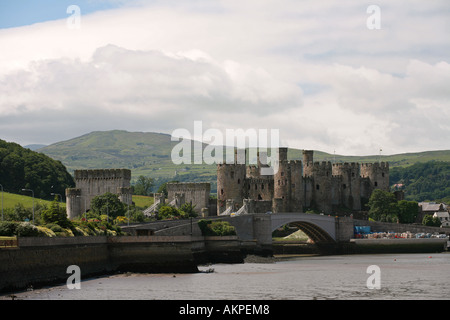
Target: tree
[(383, 205), (108, 204), (56, 214), (189, 210), (143, 186), (407, 211), (424, 180), (23, 168), (168, 212), (429, 220)]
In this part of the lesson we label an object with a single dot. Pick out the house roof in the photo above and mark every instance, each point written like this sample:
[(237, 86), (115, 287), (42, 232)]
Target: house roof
[(441, 214), (432, 206)]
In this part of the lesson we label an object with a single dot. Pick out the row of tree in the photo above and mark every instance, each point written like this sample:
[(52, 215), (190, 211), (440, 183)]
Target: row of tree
[(383, 206), (22, 168), (424, 181)]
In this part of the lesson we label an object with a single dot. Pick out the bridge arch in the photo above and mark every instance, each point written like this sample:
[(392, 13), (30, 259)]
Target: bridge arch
[(317, 228), (315, 233)]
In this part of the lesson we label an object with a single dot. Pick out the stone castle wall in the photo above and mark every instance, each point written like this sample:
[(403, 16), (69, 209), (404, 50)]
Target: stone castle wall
[(195, 193), (91, 183)]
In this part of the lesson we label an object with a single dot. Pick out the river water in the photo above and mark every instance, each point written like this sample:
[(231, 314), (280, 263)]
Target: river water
[(340, 277)]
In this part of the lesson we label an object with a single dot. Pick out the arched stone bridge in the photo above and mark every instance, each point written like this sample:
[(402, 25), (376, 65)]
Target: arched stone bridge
[(320, 228), (258, 227)]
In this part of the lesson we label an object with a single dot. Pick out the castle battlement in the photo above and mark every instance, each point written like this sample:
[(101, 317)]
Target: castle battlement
[(345, 165), (229, 165), (188, 186), (375, 165), (103, 174), (73, 192)]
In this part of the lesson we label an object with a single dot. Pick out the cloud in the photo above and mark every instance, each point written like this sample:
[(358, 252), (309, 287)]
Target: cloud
[(168, 88), (311, 69)]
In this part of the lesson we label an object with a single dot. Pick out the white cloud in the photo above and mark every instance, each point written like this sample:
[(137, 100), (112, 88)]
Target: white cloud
[(311, 69), (170, 88)]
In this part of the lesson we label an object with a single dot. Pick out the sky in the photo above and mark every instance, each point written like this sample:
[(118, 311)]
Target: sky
[(336, 76)]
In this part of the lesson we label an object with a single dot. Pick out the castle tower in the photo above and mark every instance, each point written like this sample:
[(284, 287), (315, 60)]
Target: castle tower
[(297, 192), (288, 184), (125, 195), (73, 202), (376, 176), (91, 183), (231, 179), (349, 187), (308, 162), (282, 179), (322, 186)]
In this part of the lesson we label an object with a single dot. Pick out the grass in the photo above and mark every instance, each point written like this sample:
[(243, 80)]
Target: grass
[(10, 200), (298, 235), (142, 201)]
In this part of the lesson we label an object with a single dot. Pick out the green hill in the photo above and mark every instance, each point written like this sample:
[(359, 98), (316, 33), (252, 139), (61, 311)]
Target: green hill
[(149, 154), (424, 181), (10, 200), (22, 168), (145, 153)]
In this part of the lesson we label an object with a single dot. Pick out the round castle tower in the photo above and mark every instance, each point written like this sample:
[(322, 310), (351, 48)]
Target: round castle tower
[(73, 202), (322, 187), (377, 175), (230, 184), (288, 184), (348, 175), (308, 162)]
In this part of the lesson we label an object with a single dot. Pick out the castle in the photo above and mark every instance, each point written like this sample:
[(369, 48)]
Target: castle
[(91, 183), (323, 186), (294, 187)]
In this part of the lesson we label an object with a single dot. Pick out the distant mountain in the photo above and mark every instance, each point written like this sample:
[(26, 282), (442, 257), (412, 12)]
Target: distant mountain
[(34, 147), (149, 154), (145, 153)]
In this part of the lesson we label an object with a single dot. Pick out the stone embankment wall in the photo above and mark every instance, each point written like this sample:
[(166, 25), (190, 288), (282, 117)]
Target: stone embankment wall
[(40, 261)]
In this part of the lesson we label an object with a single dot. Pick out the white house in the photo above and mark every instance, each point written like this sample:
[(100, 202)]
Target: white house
[(444, 217)]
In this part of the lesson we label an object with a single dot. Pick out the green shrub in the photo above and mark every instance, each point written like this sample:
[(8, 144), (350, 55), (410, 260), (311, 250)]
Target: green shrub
[(203, 225), (222, 228), (188, 210), (216, 228), (54, 227), (8, 228), (45, 232), (168, 212), (26, 229)]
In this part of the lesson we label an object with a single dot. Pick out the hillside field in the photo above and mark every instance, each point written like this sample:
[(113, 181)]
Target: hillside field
[(10, 200)]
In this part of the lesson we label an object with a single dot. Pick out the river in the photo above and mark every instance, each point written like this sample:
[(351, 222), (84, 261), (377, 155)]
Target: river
[(339, 277)]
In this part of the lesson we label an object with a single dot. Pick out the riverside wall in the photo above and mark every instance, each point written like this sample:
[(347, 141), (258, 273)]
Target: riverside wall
[(43, 261)]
